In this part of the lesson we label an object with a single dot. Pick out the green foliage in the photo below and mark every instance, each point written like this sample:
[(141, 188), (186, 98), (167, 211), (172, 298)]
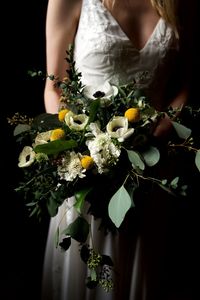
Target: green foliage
[(118, 206), (123, 160)]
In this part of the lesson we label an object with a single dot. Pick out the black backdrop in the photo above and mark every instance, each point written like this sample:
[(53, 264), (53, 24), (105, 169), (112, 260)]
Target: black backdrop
[(22, 239)]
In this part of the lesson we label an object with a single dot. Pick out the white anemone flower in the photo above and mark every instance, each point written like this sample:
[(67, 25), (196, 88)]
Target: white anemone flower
[(26, 157), (118, 128), (76, 122), (104, 91), (42, 138), (71, 167)]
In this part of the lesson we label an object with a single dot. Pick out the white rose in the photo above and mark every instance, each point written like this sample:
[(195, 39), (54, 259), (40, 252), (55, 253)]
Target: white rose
[(118, 128)]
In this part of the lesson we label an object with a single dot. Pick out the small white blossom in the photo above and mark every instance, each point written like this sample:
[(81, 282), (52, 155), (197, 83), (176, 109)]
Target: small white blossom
[(118, 128), (94, 128), (26, 157), (76, 122), (71, 167), (103, 151)]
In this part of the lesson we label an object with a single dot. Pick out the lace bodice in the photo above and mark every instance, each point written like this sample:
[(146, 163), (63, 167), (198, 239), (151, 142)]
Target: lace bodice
[(104, 52)]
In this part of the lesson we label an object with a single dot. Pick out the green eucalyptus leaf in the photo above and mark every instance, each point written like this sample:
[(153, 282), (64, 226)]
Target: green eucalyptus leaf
[(174, 183), (93, 275), (78, 230), (21, 128), (197, 160), (80, 199), (182, 131), (151, 156), (164, 181), (118, 206), (135, 159), (55, 146)]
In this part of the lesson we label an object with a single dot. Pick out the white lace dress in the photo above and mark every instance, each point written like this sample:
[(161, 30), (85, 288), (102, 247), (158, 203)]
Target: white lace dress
[(104, 52)]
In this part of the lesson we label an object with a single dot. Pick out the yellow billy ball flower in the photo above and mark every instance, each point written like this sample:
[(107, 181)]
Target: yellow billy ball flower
[(57, 134), (87, 162), (62, 113), (132, 114)]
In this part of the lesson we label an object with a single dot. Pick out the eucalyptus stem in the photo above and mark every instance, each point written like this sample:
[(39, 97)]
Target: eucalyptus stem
[(183, 146), (146, 178), (33, 178)]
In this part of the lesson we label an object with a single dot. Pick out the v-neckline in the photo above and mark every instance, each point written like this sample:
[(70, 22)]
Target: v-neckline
[(123, 32)]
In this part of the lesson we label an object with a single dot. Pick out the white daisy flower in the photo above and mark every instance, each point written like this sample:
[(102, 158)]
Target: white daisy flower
[(71, 167)]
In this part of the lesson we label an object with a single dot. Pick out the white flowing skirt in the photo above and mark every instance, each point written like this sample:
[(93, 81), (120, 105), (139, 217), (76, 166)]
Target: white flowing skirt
[(64, 273)]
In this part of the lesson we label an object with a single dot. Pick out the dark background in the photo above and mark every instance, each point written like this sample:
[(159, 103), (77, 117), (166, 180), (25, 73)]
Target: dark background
[(22, 239)]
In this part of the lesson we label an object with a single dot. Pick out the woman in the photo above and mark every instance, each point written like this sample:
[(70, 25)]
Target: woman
[(117, 41)]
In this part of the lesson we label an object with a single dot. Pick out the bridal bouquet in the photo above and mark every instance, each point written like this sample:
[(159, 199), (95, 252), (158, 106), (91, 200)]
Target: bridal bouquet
[(100, 149)]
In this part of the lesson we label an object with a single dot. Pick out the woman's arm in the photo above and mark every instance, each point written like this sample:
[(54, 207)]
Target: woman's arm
[(61, 24), (188, 21)]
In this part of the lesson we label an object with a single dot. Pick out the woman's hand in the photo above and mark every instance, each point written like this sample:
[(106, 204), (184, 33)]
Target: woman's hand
[(164, 128)]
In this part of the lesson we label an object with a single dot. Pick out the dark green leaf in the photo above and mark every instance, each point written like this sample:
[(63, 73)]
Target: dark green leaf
[(106, 260), (52, 206), (94, 106), (91, 284), (85, 253), (46, 122), (65, 244), (55, 146), (78, 230), (80, 198)]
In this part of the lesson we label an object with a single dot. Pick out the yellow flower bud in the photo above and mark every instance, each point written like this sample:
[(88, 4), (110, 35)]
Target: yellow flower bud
[(87, 162), (132, 114), (62, 113), (57, 134)]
